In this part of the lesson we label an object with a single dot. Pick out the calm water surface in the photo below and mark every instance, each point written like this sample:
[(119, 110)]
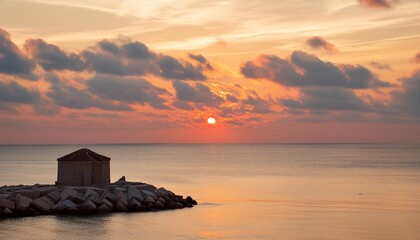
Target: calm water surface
[(321, 191)]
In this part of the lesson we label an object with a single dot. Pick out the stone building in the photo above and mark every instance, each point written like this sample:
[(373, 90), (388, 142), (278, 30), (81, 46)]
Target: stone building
[(83, 167)]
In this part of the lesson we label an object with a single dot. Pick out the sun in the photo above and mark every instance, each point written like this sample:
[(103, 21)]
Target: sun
[(211, 121)]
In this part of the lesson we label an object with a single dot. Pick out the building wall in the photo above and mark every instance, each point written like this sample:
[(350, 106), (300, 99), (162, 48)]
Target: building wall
[(83, 173), (74, 173)]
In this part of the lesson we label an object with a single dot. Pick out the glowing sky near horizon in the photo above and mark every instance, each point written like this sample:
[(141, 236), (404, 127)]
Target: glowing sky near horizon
[(154, 71)]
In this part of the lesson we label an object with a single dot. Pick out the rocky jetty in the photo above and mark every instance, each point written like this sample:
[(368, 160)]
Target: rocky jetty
[(121, 196)]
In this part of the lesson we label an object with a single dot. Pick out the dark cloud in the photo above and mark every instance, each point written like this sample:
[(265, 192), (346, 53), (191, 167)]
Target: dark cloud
[(65, 95), (130, 50), (106, 63), (128, 90), (202, 60), (51, 57), (378, 3), (381, 66), (125, 58), (12, 61), (305, 69), (173, 69), (416, 58), (332, 98), (183, 105), (320, 43), (231, 98), (407, 99), (197, 93), (258, 105), (13, 92)]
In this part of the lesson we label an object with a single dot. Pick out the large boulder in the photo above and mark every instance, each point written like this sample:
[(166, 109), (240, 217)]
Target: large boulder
[(104, 208), (147, 193), (59, 207), (55, 195), (148, 200), (22, 203), (6, 203), (87, 207), (69, 203), (44, 204), (147, 187), (68, 192), (7, 212), (133, 192)]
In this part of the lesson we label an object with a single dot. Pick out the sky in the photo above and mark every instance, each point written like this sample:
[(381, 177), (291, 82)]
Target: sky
[(131, 71)]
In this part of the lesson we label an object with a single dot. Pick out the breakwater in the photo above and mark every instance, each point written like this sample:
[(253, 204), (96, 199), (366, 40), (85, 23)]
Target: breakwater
[(121, 196)]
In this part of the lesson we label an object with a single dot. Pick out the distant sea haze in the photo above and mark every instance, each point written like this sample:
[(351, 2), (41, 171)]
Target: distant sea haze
[(245, 191)]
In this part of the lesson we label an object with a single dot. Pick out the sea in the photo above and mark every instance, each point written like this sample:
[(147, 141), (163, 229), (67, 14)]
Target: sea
[(244, 191)]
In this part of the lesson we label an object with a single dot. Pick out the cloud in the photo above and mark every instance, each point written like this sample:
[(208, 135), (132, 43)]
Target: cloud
[(65, 95), (111, 61), (124, 48), (128, 90), (407, 98), (13, 92), (416, 58), (320, 43), (124, 58), (378, 3), (12, 60), (231, 98), (51, 57), (202, 60), (258, 105), (305, 69), (381, 66), (197, 93), (331, 98), (173, 69)]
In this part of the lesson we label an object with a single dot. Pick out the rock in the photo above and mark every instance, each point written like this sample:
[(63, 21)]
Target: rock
[(95, 199), (147, 193), (191, 201), (7, 212), (6, 203), (108, 203), (104, 208), (91, 192), (69, 204), (120, 207), (109, 196), (44, 204), (173, 205), (148, 200), (122, 179), (122, 198), (163, 201), (161, 192), (117, 190), (87, 207), (55, 195), (133, 192), (33, 211), (22, 203), (159, 205), (77, 199), (59, 207), (72, 210), (147, 187), (135, 205), (68, 192), (32, 194)]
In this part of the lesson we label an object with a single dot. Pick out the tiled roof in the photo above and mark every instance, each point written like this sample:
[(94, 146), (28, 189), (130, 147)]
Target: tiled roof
[(83, 155)]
